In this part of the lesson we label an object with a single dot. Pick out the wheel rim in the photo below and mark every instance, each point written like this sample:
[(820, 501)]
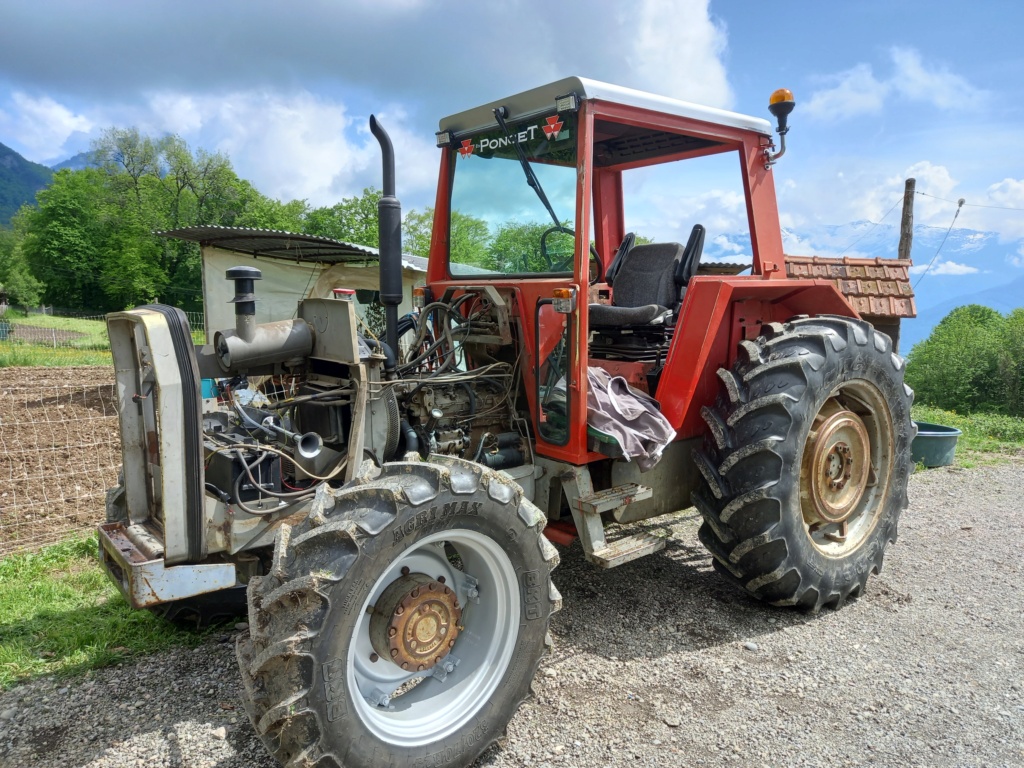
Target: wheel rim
[(846, 468), (412, 707)]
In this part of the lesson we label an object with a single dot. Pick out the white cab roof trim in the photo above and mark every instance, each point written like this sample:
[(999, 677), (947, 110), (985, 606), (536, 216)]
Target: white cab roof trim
[(543, 99)]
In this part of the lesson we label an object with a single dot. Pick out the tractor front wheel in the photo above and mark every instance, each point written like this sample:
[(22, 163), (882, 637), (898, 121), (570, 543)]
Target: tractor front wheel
[(402, 622), (806, 461)]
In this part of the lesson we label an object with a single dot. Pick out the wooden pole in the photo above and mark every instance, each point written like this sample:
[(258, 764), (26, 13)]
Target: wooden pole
[(907, 224)]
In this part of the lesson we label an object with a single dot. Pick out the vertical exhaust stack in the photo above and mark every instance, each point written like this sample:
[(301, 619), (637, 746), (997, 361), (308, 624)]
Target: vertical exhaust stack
[(389, 211), (245, 300)]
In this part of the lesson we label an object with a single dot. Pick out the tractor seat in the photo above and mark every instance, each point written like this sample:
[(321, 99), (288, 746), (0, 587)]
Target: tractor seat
[(648, 282)]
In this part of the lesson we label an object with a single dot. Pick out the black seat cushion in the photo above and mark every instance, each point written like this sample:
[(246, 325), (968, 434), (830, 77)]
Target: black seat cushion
[(610, 316), (644, 289), (647, 276)]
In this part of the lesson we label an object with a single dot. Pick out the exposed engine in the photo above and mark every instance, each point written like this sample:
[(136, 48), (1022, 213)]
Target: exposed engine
[(279, 419)]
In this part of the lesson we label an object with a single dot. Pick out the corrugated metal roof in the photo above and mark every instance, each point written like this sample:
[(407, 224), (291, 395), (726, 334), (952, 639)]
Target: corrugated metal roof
[(292, 246)]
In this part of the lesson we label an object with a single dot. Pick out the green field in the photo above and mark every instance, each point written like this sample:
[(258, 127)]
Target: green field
[(60, 614), (983, 433)]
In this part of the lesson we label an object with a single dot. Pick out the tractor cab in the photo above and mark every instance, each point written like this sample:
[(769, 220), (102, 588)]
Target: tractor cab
[(533, 201)]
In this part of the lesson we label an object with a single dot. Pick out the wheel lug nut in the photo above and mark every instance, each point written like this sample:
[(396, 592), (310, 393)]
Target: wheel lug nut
[(394, 652), (451, 643), (392, 631), (420, 668), (399, 610), (405, 665)]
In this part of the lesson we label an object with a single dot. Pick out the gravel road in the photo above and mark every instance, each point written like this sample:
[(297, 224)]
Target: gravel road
[(659, 662)]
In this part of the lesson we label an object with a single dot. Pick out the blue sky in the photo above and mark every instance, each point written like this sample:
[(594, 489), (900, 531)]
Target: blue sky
[(884, 90)]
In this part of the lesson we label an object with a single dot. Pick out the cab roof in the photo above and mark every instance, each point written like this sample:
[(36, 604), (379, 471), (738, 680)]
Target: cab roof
[(542, 99)]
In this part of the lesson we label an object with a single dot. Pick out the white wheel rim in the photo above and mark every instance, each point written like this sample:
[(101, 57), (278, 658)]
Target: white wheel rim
[(433, 710)]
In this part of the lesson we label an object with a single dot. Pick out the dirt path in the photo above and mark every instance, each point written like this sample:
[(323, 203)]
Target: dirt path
[(659, 662)]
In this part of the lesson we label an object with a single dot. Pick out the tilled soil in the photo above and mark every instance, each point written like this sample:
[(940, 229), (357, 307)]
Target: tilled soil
[(659, 662), (59, 452)]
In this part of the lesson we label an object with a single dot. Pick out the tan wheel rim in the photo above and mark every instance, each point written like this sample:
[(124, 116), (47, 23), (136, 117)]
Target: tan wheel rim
[(846, 468)]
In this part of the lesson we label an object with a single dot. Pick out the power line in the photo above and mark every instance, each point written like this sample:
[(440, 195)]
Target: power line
[(961, 202), (959, 205), (872, 226)]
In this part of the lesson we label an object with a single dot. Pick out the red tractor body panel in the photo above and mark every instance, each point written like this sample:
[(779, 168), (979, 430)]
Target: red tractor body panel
[(717, 311)]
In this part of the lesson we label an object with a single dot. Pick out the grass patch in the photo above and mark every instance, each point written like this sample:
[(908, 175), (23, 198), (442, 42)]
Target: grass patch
[(61, 615), (93, 330), (13, 355), (982, 432)]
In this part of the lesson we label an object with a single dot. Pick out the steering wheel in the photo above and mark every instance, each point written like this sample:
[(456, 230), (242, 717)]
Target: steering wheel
[(566, 263), (544, 248)]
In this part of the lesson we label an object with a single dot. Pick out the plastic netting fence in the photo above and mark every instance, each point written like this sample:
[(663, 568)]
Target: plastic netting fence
[(61, 339), (59, 441), (59, 452)]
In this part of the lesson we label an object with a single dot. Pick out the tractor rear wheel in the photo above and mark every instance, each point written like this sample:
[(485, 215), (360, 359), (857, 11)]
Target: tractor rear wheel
[(403, 625), (805, 462)]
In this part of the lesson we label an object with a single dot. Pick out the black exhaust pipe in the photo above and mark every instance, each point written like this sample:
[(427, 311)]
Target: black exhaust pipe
[(389, 212)]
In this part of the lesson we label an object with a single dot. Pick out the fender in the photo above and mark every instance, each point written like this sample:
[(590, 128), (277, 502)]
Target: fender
[(717, 313)]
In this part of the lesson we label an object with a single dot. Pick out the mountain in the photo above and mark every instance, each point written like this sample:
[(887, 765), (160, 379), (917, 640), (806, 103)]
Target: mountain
[(19, 182), (78, 162), (973, 267)]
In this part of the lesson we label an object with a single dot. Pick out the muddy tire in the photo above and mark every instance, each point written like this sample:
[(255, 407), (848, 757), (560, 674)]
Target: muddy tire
[(805, 461), (397, 567)]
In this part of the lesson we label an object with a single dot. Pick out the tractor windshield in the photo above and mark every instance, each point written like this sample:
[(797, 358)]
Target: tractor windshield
[(499, 221)]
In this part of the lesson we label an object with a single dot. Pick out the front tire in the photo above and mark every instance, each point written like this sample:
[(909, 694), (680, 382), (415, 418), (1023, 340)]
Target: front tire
[(806, 461), (349, 659)]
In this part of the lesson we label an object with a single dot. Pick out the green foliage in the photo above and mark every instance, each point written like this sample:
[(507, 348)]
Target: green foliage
[(470, 237), (353, 220), (982, 432), (90, 244), (1011, 361), (956, 368), (517, 248), (60, 614), (16, 280)]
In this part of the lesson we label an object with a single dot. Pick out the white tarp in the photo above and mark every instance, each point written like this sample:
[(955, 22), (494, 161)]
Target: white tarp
[(284, 283)]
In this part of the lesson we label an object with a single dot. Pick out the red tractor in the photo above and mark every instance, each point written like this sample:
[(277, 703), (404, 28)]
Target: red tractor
[(383, 501)]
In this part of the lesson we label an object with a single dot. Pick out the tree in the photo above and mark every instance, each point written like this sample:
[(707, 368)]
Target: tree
[(517, 247), (16, 280), (469, 237), (353, 220), (63, 240), (957, 366), (1011, 362)]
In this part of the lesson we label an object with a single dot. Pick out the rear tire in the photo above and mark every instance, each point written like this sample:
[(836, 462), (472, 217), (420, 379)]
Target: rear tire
[(805, 462), (319, 685)]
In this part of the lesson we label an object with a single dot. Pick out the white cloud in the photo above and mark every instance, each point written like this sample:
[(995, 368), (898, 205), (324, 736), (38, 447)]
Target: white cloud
[(677, 51), (42, 125), (857, 91), (293, 145), (177, 112), (945, 268), (1016, 259), (938, 86)]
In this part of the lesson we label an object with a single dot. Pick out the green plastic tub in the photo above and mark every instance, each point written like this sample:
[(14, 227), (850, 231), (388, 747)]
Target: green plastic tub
[(934, 445)]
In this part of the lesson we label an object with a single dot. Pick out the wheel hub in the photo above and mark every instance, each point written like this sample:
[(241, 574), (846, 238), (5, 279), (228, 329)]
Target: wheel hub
[(415, 622), (836, 467)]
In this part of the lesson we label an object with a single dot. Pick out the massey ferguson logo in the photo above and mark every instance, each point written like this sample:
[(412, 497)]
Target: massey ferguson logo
[(553, 127), (467, 148)]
